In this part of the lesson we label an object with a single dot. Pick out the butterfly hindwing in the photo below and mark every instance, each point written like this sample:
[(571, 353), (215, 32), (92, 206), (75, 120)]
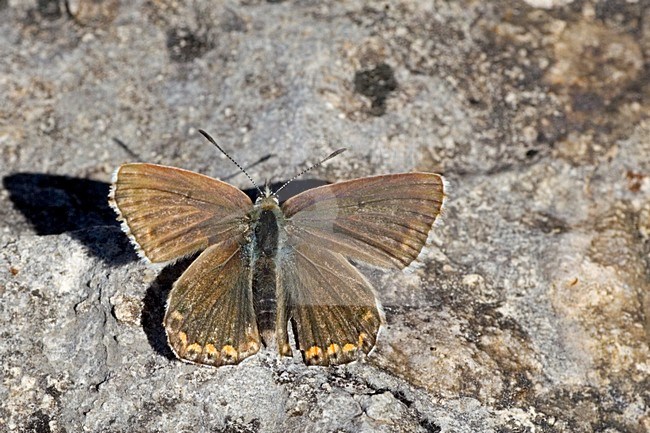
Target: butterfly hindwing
[(171, 213), (330, 303), (210, 317)]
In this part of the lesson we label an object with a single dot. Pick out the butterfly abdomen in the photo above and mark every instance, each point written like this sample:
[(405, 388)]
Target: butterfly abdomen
[(265, 242)]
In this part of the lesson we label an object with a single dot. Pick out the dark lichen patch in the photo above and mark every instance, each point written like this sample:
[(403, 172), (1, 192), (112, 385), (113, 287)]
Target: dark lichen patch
[(588, 409), (39, 423), (231, 21), (238, 426), (53, 392), (546, 222), (532, 153), (635, 180), (587, 102), (49, 9), (47, 23), (184, 45), (430, 426), (624, 14), (376, 84)]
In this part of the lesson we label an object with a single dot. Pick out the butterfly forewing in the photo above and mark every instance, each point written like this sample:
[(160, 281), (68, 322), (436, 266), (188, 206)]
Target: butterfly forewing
[(381, 220), (210, 317), (171, 213)]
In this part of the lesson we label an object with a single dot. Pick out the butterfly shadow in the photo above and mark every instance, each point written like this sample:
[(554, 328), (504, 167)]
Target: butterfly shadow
[(55, 204), (155, 300)]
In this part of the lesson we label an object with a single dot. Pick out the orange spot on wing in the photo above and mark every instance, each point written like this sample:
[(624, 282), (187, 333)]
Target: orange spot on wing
[(229, 353), (333, 349), (314, 354), (193, 351), (362, 337)]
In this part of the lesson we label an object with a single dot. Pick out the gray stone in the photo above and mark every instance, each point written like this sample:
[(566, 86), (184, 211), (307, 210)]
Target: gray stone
[(529, 310)]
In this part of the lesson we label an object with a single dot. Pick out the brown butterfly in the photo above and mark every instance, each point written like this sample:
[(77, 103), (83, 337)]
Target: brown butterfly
[(264, 266)]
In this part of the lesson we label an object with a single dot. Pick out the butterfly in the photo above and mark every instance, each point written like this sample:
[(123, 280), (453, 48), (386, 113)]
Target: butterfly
[(265, 266)]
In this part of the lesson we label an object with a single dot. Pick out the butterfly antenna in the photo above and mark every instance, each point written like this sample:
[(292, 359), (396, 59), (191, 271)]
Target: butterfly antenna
[(211, 140), (332, 155), (249, 166)]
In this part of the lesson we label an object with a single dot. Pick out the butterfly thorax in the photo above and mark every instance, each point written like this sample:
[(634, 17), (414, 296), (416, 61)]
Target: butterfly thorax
[(265, 223)]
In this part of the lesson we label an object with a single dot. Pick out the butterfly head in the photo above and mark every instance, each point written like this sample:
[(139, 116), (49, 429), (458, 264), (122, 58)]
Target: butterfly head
[(268, 199)]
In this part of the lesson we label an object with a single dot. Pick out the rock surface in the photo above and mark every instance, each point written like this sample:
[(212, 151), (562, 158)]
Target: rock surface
[(530, 311)]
